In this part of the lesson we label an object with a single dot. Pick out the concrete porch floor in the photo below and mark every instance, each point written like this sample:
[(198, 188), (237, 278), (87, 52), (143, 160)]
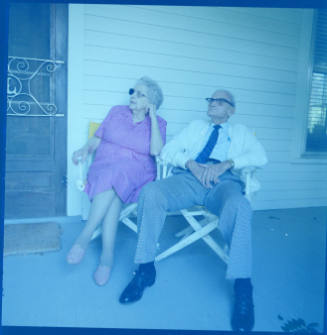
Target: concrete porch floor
[(190, 291)]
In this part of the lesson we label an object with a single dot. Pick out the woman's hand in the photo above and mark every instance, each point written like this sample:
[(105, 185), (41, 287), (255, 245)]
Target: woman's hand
[(152, 110), (79, 156)]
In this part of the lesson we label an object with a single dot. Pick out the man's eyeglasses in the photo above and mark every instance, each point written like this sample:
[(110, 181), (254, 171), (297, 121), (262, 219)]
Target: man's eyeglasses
[(219, 101), (138, 93)]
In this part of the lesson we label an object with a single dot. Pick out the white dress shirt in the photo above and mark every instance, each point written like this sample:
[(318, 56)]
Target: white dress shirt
[(237, 143)]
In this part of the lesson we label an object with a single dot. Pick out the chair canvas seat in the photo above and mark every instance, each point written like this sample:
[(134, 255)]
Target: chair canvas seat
[(200, 221)]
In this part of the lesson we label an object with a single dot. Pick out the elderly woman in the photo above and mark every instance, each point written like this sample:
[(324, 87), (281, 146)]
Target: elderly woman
[(125, 144)]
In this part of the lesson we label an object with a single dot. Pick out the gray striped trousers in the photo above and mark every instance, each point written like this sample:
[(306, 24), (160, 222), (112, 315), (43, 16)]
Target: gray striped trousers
[(183, 190)]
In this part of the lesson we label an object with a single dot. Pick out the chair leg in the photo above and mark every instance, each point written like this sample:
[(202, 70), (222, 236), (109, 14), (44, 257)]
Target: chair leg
[(124, 216), (185, 232), (128, 210), (207, 239), (216, 248), (130, 224), (188, 230), (187, 241)]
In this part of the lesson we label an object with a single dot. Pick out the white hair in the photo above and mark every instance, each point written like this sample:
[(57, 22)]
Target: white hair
[(230, 96), (155, 94)]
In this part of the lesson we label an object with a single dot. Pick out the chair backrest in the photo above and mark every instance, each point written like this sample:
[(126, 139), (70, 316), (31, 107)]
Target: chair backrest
[(93, 127), (163, 170)]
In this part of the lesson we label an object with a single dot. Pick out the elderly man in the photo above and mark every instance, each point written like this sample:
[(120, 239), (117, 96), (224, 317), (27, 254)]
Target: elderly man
[(208, 157)]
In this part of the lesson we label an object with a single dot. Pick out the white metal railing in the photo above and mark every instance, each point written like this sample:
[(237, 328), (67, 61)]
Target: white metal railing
[(21, 101)]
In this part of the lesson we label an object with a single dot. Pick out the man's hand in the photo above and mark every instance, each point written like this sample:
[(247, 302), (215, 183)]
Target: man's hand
[(212, 173), (196, 169)]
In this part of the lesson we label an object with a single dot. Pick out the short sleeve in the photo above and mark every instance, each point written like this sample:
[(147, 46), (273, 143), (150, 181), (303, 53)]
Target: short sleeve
[(102, 128)]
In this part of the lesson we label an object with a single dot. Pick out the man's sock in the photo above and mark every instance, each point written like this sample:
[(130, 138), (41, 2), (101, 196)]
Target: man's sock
[(243, 285), (147, 267)]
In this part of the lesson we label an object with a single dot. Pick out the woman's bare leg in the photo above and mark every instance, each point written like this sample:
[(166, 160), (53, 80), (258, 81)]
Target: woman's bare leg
[(109, 230), (99, 207)]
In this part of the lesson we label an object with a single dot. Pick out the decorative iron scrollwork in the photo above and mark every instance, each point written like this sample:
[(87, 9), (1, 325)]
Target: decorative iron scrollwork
[(23, 73)]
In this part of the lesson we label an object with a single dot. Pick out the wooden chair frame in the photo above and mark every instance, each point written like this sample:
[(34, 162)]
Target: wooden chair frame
[(199, 228)]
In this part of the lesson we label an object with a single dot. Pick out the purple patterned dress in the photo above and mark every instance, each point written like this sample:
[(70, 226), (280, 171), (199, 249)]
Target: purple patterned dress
[(122, 160)]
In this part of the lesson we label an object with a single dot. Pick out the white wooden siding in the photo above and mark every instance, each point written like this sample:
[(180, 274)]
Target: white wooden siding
[(191, 51)]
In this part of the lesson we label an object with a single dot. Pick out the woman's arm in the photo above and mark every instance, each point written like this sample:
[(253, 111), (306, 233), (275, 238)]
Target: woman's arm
[(156, 142), (90, 146)]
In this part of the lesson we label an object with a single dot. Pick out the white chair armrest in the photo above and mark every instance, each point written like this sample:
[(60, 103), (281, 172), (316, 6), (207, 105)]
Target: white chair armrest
[(163, 169), (247, 173), (80, 182), (249, 169)]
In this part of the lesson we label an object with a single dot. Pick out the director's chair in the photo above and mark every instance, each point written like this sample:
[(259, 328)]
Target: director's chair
[(201, 221)]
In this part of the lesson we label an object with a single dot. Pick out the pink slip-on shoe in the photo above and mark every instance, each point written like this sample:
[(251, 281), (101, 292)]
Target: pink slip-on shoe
[(75, 254), (101, 275)]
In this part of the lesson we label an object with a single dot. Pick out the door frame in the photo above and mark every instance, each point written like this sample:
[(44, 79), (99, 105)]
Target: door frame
[(59, 29)]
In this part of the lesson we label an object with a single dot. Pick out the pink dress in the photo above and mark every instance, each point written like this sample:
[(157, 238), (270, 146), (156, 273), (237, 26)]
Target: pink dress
[(122, 160)]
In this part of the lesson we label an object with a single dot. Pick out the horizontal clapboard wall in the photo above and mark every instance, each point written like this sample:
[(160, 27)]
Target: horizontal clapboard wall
[(191, 51)]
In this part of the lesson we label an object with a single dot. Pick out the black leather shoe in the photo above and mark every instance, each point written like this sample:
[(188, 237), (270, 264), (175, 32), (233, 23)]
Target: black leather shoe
[(243, 313), (134, 290)]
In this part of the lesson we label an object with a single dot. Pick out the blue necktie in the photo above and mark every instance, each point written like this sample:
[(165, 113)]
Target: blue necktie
[(207, 150)]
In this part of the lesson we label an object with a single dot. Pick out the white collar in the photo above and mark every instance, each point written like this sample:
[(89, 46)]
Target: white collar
[(222, 125)]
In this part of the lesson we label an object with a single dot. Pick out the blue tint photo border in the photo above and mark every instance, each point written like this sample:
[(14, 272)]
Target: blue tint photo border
[(4, 5)]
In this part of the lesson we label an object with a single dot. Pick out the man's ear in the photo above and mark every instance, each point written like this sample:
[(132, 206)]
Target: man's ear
[(231, 111)]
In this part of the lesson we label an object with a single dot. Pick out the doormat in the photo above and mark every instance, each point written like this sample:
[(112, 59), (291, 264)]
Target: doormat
[(28, 238)]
